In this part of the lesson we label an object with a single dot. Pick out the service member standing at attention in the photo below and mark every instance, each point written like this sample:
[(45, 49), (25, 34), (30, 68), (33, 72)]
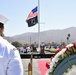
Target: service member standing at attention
[(10, 61)]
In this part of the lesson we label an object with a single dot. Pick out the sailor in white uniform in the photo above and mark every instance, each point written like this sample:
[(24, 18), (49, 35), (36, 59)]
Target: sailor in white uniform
[(10, 61)]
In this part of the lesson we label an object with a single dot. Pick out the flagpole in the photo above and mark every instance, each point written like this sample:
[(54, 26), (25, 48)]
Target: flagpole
[(39, 25)]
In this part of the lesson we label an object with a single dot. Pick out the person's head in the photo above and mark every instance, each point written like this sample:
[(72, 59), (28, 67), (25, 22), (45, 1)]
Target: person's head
[(1, 29), (3, 20)]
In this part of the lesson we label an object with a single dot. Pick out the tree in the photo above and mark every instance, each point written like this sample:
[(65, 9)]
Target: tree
[(62, 44), (16, 44)]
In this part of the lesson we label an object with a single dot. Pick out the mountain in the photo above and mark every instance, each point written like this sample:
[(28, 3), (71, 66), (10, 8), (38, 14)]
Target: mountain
[(46, 36)]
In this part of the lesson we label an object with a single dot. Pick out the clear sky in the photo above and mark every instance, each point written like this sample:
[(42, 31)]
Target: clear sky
[(55, 14)]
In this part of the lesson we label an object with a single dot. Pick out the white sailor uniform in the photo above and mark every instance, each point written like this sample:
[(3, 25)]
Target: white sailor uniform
[(10, 61)]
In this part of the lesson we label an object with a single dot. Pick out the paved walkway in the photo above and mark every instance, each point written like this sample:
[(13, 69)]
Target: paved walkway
[(36, 70)]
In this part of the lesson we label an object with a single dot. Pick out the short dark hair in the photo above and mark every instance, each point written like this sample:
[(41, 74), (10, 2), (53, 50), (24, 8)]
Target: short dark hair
[(1, 25)]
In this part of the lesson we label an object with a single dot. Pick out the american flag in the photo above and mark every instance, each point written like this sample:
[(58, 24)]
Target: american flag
[(33, 13)]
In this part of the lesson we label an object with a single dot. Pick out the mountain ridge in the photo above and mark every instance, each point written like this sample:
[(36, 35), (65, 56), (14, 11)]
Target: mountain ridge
[(54, 35)]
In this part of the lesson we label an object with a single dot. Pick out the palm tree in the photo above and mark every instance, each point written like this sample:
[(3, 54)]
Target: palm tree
[(68, 35), (68, 38)]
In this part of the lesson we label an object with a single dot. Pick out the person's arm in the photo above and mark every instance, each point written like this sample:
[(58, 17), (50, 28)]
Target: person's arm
[(15, 66)]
